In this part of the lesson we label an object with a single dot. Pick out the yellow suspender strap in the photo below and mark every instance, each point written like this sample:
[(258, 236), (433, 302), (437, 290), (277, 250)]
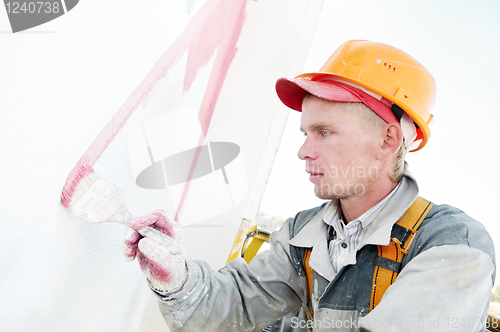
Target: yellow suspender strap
[(383, 277), (309, 270), (309, 276)]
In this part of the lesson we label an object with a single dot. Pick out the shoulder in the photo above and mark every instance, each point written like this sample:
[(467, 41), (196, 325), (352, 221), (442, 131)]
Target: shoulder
[(447, 225)]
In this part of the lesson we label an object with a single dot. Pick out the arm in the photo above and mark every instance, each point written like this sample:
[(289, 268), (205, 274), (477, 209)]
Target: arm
[(239, 297), (445, 288)]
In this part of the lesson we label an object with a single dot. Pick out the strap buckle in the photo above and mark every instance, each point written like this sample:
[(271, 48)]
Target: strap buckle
[(400, 246)]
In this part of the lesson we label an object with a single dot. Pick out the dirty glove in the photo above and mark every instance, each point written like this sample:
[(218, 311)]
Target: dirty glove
[(165, 267)]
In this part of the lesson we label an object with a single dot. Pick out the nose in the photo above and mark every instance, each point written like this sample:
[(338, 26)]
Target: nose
[(306, 151)]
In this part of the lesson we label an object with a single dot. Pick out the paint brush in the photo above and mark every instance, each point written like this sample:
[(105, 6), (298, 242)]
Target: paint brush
[(96, 200)]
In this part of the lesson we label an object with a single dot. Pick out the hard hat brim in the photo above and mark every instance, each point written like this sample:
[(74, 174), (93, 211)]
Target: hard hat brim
[(292, 92)]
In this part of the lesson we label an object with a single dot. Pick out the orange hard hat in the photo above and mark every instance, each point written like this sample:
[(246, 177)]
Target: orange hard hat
[(387, 71)]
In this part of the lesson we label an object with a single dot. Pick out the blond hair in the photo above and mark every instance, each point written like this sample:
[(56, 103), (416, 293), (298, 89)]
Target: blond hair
[(401, 164)]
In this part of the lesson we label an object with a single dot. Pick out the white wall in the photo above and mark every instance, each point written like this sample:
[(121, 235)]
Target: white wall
[(60, 84)]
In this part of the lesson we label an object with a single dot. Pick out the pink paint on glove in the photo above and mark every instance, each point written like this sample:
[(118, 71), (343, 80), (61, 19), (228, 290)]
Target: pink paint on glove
[(131, 242), (165, 271)]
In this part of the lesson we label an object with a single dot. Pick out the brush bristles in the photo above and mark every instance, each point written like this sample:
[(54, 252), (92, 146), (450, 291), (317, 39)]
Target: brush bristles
[(79, 180)]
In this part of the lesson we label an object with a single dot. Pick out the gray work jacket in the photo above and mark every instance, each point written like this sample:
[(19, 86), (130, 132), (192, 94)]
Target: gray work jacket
[(444, 284)]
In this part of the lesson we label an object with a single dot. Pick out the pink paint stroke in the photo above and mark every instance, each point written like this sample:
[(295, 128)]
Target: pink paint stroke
[(228, 23), (216, 25)]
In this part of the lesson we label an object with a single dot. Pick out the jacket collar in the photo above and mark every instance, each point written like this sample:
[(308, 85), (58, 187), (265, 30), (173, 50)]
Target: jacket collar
[(314, 234)]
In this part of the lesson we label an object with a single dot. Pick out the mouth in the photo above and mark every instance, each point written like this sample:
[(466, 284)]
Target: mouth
[(314, 176)]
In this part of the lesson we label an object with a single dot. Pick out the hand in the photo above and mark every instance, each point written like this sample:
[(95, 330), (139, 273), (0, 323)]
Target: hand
[(166, 271)]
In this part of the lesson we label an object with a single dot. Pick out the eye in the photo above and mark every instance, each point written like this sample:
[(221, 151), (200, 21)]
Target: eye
[(325, 133)]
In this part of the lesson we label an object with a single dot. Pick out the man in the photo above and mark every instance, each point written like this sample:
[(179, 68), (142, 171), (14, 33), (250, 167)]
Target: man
[(366, 107)]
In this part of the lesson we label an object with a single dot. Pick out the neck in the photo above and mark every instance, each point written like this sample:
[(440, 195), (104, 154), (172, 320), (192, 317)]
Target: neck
[(354, 206)]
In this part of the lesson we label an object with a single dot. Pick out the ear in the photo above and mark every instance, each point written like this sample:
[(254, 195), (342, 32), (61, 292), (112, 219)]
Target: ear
[(392, 136)]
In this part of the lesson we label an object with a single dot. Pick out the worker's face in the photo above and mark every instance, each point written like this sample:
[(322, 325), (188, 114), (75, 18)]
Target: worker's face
[(339, 150)]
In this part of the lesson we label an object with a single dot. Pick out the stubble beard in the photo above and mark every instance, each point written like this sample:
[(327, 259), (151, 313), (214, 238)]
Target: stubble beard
[(342, 191)]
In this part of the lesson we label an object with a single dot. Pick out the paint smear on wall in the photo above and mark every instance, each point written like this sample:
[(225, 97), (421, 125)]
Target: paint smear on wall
[(78, 266), (201, 91), (214, 30)]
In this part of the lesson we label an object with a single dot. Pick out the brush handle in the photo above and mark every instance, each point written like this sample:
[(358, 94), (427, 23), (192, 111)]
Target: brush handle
[(163, 239), (101, 201), (125, 217)]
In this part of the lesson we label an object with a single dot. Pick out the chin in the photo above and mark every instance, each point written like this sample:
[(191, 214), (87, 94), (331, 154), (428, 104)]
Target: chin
[(328, 194)]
